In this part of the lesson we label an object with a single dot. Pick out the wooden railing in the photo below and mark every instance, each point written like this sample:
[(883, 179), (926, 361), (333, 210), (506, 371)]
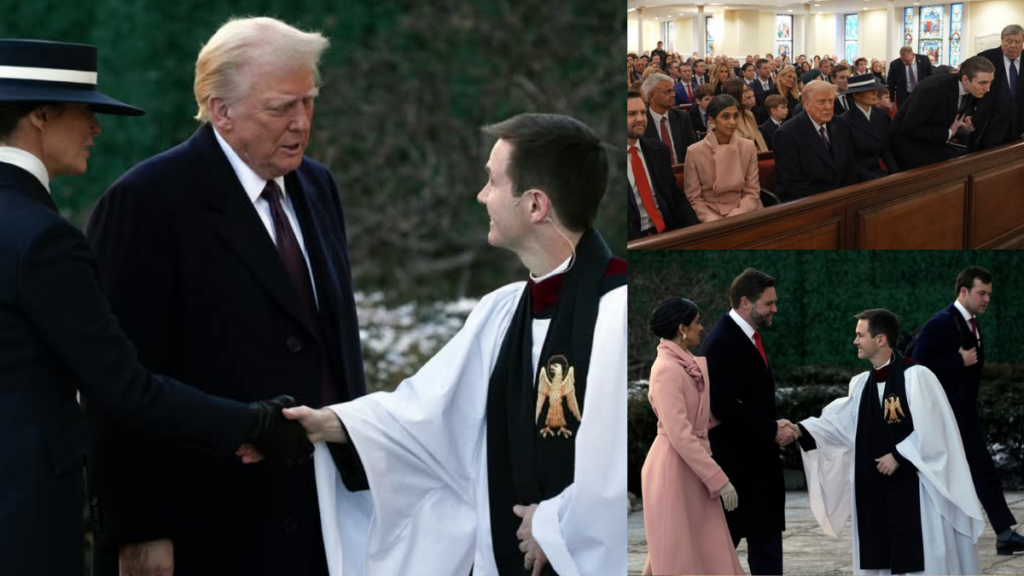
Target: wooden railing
[(975, 201)]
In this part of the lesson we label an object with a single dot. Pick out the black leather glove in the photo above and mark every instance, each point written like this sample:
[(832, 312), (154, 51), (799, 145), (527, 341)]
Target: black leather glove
[(280, 440)]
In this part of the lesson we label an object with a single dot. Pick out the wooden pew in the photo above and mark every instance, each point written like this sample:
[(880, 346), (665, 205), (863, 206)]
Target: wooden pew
[(972, 202)]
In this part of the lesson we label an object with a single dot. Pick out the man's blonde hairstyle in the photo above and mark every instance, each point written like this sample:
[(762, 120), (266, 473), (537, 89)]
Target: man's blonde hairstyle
[(242, 42)]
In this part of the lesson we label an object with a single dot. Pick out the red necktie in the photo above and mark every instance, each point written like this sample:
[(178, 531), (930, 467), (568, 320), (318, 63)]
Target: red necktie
[(974, 326), (665, 138), (760, 348), (689, 94), (643, 187)]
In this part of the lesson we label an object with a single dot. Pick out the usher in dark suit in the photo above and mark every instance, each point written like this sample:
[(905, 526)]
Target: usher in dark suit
[(898, 81), (58, 336), (197, 282)]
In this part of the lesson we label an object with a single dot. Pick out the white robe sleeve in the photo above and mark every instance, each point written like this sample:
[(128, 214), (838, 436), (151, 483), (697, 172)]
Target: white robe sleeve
[(937, 451), (828, 468), (583, 529), (423, 448)]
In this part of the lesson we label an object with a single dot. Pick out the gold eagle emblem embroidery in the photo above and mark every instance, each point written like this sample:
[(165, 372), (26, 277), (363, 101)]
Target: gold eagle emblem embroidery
[(557, 383), (892, 408)]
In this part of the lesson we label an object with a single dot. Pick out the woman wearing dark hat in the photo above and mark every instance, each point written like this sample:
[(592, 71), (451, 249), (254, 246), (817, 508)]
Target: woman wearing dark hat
[(868, 125), (684, 489), (57, 333)]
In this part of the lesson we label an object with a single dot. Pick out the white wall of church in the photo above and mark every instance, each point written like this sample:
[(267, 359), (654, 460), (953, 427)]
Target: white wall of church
[(872, 34), (684, 36), (822, 35), (990, 17)]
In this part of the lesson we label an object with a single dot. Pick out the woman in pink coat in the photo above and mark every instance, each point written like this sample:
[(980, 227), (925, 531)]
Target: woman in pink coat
[(683, 488), (720, 178)]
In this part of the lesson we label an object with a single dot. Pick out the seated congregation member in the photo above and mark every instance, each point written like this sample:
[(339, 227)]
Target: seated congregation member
[(869, 127), (750, 102), (747, 125), (685, 85), (721, 178), (699, 113), (877, 69), (786, 85), (719, 74), (860, 66), (669, 125), (654, 202), (747, 72), (925, 124), (813, 153), (841, 78), (763, 84), (777, 110)]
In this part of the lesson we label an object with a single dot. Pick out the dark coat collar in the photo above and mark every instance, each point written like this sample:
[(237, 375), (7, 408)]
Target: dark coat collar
[(22, 182)]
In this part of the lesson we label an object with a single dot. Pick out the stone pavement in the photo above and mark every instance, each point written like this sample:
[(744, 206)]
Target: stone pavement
[(806, 550)]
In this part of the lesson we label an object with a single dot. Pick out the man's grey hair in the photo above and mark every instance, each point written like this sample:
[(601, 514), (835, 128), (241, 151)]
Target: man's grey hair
[(652, 82), (1012, 30), (222, 69)]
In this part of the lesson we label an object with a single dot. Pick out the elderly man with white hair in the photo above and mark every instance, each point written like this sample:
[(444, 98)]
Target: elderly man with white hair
[(670, 125), (812, 153), (225, 261)]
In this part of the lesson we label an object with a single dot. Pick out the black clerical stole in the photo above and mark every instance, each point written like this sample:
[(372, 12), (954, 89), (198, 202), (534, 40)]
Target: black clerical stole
[(532, 423), (888, 507)]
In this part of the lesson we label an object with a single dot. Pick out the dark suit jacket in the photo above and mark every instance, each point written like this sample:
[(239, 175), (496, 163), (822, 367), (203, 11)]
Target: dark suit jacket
[(870, 142), (803, 166), (898, 81), (674, 207), (695, 119), (759, 93), (680, 126), (840, 109), (937, 348), (768, 128), (920, 129), (197, 282), (58, 337), (680, 87), (998, 111), (742, 392)]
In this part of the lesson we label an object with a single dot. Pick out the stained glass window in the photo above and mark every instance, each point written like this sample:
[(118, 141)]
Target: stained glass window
[(955, 29), (709, 47), (851, 36), (908, 26), (784, 35), (931, 33)]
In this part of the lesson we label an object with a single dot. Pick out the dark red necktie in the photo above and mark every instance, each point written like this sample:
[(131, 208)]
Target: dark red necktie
[(974, 326), (760, 348), (290, 252), (665, 138)]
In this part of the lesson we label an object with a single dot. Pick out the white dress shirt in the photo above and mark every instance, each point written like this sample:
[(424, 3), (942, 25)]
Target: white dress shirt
[(668, 127), (747, 328), (645, 220), (967, 316), (253, 184), (27, 162)]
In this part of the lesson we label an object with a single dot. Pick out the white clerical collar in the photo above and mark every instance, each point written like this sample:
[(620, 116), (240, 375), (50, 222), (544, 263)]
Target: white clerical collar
[(747, 328), (561, 268), (967, 315), (891, 357), (252, 182), (28, 162)]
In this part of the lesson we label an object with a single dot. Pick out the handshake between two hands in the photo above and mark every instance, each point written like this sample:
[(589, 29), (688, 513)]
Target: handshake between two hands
[(284, 433), (787, 433)]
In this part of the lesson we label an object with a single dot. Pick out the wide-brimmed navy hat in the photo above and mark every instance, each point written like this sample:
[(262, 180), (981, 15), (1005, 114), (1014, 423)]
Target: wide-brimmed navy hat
[(864, 83), (42, 71)]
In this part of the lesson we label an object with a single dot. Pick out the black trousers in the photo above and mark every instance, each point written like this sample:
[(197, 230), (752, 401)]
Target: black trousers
[(983, 472), (764, 553)]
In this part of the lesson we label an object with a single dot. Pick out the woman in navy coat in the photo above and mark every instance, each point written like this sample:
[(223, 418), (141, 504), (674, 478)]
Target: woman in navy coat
[(868, 125)]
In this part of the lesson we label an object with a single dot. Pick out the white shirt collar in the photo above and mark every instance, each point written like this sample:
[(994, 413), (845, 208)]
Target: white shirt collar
[(747, 328), (558, 270), (28, 162), (1007, 61), (252, 182), (777, 123), (866, 113), (817, 127), (657, 117), (967, 315)]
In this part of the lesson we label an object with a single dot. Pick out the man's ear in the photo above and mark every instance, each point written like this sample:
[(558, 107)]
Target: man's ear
[(220, 113)]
